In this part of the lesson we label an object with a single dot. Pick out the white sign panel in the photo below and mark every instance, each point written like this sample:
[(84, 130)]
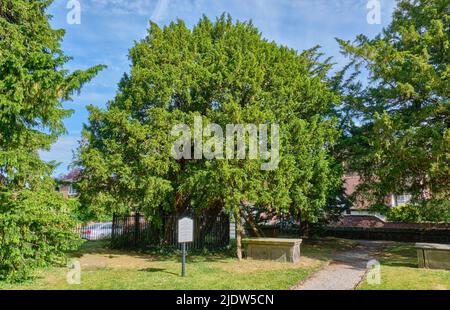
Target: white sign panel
[(185, 230)]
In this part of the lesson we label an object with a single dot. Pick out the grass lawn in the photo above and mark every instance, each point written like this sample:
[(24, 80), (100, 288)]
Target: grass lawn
[(103, 268), (399, 271)]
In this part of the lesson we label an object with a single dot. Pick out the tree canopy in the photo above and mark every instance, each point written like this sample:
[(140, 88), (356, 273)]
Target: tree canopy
[(35, 222), (397, 135), (226, 73)]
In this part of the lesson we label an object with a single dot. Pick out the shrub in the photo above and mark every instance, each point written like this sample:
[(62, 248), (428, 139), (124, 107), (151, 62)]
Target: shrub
[(406, 213), (430, 211), (36, 229), (436, 211)]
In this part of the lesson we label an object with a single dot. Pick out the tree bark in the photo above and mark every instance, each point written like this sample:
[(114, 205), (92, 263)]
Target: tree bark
[(239, 233), (304, 227), (252, 223)]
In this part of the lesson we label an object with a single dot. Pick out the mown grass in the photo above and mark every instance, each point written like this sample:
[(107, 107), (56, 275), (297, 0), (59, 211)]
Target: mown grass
[(104, 269), (399, 271)]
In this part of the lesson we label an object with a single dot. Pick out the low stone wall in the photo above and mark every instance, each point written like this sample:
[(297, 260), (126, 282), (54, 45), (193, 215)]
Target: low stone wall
[(276, 249), (433, 256)]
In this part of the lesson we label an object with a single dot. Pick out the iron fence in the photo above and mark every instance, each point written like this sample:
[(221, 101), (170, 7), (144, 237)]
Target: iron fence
[(210, 232)]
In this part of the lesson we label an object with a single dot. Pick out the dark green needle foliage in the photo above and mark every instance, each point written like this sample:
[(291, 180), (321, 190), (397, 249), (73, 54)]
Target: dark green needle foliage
[(35, 222), (225, 72), (399, 140)]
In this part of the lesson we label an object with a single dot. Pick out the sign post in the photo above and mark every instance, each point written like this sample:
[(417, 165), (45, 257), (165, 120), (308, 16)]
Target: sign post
[(185, 234)]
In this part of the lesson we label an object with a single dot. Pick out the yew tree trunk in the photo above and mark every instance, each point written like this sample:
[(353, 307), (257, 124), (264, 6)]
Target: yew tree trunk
[(239, 233)]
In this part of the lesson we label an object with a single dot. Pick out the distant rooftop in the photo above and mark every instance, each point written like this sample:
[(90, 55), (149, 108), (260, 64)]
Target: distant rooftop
[(71, 176)]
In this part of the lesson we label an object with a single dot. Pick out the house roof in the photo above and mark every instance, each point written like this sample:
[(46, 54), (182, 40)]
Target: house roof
[(71, 176), (351, 183)]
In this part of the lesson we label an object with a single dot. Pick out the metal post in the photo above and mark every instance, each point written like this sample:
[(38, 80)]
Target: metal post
[(183, 264), (137, 219)]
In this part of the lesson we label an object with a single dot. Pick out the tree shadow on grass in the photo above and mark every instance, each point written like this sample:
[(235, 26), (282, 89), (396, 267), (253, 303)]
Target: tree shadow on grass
[(158, 270), (155, 252), (323, 249), (404, 255), (319, 250)]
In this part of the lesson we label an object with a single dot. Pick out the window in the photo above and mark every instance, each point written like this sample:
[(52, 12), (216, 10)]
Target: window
[(72, 191), (401, 199)]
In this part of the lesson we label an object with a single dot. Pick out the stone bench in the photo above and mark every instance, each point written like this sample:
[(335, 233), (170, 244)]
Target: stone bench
[(276, 249), (433, 256)]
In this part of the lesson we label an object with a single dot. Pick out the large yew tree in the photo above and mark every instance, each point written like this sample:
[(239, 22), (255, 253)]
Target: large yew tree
[(225, 72), (35, 222), (399, 140)]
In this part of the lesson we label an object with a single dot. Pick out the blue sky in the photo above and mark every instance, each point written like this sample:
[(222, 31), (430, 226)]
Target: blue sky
[(109, 28)]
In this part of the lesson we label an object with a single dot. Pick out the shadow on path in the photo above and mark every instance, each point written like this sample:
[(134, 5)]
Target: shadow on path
[(346, 270)]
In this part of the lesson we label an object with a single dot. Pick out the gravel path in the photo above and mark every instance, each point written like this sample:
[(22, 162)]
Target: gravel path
[(346, 270)]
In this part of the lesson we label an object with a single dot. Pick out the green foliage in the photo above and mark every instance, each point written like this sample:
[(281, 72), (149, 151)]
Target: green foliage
[(408, 213), (436, 210), (430, 211), (338, 202), (35, 225), (81, 214), (380, 208), (37, 229), (397, 135), (226, 73)]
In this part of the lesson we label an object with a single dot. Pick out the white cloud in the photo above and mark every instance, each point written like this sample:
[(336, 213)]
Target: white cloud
[(141, 7), (62, 151), (160, 10)]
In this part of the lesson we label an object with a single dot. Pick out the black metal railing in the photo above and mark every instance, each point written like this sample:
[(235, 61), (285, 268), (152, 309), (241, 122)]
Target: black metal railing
[(210, 232)]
